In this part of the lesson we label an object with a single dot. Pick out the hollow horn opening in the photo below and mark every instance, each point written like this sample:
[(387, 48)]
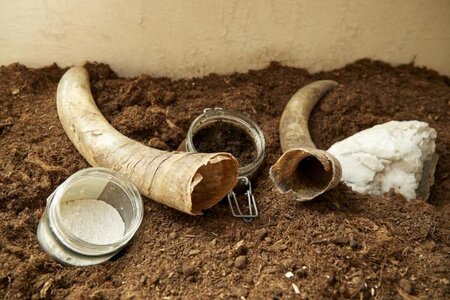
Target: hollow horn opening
[(308, 173), (212, 182)]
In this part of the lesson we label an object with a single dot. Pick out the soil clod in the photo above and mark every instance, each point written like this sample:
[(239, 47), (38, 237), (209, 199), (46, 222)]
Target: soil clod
[(302, 272), (240, 262), (405, 285)]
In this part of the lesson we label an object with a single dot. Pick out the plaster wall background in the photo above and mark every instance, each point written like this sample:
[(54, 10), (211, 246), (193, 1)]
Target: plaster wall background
[(184, 38)]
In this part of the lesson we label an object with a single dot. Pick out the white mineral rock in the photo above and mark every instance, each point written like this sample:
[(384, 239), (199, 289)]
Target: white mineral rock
[(395, 155)]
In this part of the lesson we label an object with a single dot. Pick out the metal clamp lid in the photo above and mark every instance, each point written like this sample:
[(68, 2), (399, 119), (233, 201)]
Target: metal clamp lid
[(252, 206)]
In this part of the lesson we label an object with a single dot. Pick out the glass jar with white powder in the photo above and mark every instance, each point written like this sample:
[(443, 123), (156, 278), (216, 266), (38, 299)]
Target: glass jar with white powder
[(90, 217)]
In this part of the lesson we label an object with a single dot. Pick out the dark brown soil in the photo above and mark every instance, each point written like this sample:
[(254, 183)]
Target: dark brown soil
[(226, 137), (341, 245)]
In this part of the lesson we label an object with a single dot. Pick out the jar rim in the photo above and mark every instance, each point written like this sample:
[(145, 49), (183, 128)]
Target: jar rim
[(212, 115), (84, 247)]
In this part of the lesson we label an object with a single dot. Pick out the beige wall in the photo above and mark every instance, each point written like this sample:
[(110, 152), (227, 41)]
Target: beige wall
[(194, 37)]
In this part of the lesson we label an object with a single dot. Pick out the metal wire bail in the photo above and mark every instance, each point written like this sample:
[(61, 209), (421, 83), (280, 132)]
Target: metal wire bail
[(252, 206)]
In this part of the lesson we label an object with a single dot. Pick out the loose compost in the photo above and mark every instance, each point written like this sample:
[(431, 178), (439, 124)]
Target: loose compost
[(342, 244)]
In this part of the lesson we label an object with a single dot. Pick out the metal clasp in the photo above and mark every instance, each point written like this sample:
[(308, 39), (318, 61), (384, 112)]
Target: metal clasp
[(215, 108), (252, 206)]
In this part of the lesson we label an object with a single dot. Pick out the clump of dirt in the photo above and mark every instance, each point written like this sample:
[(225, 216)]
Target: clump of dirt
[(226, 137), (341, 245)]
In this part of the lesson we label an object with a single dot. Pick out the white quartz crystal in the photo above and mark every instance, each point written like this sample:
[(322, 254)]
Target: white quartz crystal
[(394, 155)]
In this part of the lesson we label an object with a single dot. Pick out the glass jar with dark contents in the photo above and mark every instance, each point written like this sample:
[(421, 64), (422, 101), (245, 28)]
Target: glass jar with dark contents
[(222, 130)]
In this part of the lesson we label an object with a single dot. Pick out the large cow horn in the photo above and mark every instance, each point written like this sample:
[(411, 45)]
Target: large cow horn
[(185, 181)]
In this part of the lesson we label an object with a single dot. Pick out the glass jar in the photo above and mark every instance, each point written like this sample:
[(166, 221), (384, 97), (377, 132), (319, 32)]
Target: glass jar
[(210, 116), (246, 172), (56, 237)]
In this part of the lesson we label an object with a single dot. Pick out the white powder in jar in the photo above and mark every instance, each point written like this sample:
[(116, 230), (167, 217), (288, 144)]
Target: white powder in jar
[(93, 221)]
